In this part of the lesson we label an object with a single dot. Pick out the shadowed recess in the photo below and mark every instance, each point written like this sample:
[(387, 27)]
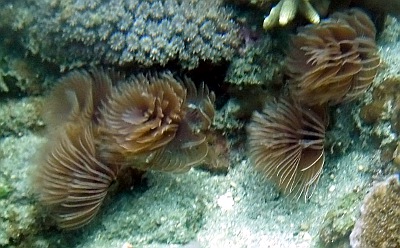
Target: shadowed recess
[(71, 181), (286, 144), (334, 61)]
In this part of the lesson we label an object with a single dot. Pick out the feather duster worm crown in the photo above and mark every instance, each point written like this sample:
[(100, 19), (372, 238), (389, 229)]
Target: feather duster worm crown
[(157, 123), (100, 128), (334, 61), (78, 96), (72, 181), (286, 144)]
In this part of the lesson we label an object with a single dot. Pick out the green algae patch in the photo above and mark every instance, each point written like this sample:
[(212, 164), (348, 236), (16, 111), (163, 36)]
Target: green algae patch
[(4, 191)]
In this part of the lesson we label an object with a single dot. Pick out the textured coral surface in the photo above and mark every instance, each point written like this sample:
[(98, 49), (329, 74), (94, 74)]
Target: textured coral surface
[(123, 32), (378, 225)]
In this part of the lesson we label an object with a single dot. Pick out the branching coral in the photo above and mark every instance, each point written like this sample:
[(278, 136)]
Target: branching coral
[(98, 130), (286, 10), (334, 61), (286, 143)]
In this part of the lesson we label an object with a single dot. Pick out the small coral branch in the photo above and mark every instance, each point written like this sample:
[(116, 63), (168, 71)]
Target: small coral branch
[(285, 11)]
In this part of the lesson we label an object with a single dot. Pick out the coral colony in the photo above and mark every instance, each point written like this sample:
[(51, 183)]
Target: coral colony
[(133, 32)]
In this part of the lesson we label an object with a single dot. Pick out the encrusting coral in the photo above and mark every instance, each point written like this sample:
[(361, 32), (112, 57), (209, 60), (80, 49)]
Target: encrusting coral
[(381, 113), (286, 144), (101, 126), (378, 225), (259, 63), (126, 32), (334, 61)]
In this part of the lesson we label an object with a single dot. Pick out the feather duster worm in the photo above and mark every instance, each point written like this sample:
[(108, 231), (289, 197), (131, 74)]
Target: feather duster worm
[(334, 61), (286, 144), (98, 129), (157, 123), (78, 96), (71, 180)]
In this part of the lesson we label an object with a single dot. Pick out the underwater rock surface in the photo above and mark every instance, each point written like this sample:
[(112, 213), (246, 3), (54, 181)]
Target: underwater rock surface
[(131, 32), (201, 208)]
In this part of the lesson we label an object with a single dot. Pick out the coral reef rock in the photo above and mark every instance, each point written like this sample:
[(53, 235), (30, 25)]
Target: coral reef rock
[(378, 225), (122, 32)]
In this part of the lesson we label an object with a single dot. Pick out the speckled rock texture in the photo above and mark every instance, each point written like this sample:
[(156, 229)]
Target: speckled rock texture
[(260, 62), (378, 225), (126, 32)]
